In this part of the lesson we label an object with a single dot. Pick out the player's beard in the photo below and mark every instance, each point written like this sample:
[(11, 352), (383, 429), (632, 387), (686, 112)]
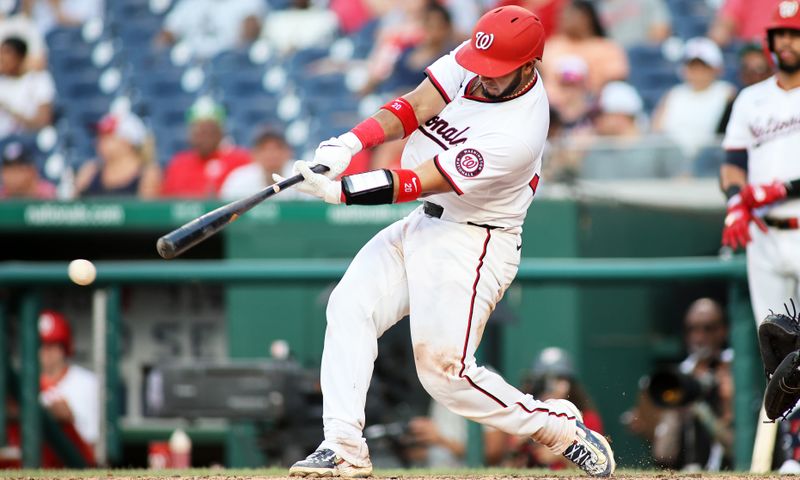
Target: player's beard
[(789, 68), (508, 90)]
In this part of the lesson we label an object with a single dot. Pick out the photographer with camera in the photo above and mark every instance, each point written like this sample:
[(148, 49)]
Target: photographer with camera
[(686, 411)]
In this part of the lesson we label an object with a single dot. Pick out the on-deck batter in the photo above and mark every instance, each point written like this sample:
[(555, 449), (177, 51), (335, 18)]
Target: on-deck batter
[(761, 176), (477, 127)]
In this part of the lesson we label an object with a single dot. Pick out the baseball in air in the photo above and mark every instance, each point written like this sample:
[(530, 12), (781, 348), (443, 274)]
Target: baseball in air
[(82, 271)]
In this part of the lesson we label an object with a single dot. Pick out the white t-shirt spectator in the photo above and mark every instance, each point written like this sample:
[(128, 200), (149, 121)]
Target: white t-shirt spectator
[(211, 26), (23, 95), (249, 179), (289, 30), (79, 389), (79, 11), (690, 117)]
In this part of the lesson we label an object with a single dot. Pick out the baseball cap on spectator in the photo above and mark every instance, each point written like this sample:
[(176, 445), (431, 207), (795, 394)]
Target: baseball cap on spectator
[(620, 97), (205, 108), (703, 49), (572, 69), (17, 152), (126, 126)]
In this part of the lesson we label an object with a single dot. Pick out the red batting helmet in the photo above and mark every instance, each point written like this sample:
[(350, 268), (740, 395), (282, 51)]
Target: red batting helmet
[(54, 328), (503, 40), (786, 16)]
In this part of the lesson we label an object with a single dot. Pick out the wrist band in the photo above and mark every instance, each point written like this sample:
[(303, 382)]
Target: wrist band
[(400, 108), (732, 190), (409, 187), (369, 133)]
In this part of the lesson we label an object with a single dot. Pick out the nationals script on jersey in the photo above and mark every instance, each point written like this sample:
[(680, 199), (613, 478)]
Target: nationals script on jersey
[(489, 151), (765, 121)]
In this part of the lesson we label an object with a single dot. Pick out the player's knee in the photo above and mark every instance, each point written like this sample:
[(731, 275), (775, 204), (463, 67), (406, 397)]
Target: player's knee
[(438, 370)]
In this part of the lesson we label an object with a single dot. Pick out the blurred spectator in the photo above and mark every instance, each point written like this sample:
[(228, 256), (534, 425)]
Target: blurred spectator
[(742, 20), (634, 22), (49, 14), (26, 98), (621, 150), (754, 67), (553, 376), (409, 70), (575, 102), (701, 91), (21, 26), (581, 34), (19, 175), (464, 15), (200, 171), (124, 166), (692, 433), (271, 154), (213, 26), (401, 27), (548, 11), (299, 27), (353, 15)]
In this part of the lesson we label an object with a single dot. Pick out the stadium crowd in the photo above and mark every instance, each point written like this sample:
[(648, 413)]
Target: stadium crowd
[(169, 98)]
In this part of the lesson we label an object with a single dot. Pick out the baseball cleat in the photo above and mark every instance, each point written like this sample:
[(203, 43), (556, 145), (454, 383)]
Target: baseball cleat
[(591, 452), (325, 463)]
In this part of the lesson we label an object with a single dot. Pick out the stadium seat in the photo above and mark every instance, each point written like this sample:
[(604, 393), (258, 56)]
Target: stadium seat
[(62, 38), (231, 61)]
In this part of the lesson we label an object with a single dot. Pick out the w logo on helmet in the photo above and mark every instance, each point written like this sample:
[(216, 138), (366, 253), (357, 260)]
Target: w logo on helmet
[(788, 9), (483, 40)]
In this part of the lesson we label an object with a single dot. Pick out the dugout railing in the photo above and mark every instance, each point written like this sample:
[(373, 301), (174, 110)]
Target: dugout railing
[(28, 278)]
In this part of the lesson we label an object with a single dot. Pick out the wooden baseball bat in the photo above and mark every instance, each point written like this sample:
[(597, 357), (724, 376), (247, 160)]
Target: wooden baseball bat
[(764, 444), (183, 238)]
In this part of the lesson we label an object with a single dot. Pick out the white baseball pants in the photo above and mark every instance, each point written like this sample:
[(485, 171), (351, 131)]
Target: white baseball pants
[(773, 270), (448, 277)]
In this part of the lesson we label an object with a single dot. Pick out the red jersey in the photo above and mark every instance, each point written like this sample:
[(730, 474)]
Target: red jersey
[(190, 176)]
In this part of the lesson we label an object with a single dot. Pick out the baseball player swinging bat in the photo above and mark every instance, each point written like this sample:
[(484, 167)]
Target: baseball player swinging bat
[(183, 238)]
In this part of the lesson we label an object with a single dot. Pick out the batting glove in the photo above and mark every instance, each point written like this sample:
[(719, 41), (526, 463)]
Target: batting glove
[(315, 184), (336, 153), (757, 196), (736, 232)]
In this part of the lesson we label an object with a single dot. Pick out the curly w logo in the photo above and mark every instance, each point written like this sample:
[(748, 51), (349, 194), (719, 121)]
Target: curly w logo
[(483, 40)]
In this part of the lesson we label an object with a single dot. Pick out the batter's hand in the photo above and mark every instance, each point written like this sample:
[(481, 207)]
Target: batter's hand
[(736, 232), (334, 154), (315, 184), (757, 196)]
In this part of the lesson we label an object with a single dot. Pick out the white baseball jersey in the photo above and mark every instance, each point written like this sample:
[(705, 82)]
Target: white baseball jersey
[(765, 121), (493, 170), (79, 389)]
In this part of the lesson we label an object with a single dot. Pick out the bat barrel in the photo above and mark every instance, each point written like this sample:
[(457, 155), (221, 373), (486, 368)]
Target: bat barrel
[(181, 239), (166, 248)]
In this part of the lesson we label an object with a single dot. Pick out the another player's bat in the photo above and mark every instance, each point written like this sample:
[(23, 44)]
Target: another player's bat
[(181, 239), (764, 444)]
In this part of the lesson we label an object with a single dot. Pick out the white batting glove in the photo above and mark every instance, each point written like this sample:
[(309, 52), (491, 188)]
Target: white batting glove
[(336, 153), (315, 184)]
